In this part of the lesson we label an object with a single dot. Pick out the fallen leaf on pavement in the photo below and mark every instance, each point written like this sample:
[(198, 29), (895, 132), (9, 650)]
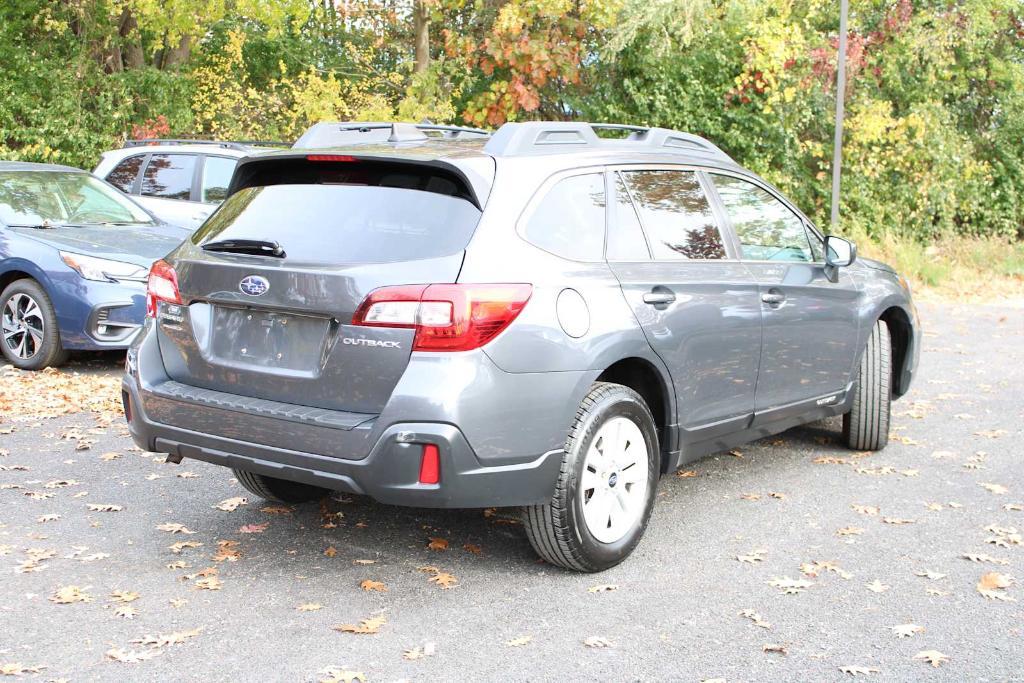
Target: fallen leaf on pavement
[(992, 584), (755, 617), (869, 510), (776, 648), (754, 557), (231, 504), (598, 642), (419, 652), (933, 657), (124, 596), (997, 489), (859, 670), (339, 675), (253, 528), (472, 548), (791, 586), (17, 669), (94, 507), (520, 641), (176, 548), (930, 575), (1014, 507), (48, 518), (165, 639), (364, 627), (210, 583), (686, 474), (330, 551), (438, 543), (906, 630), (898, 520), (444, 580), (65, 595), (877, 586), (174, 528), (981, 557), (309, 607), (130, 656), (603, 588), (370, 585), (125, 612), (850, 531)]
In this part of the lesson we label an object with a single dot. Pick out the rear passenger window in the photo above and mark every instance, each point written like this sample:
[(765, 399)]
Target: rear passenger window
[(625, 236), (766, 228), (169, 176), (676, 215), (216, 176), (569, 220), (124, 174)]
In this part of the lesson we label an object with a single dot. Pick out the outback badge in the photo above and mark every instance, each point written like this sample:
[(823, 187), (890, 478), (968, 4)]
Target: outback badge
[(254, 285)]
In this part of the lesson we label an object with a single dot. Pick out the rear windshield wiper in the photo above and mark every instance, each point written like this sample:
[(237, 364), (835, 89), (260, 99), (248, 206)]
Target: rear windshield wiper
[(255, 247)]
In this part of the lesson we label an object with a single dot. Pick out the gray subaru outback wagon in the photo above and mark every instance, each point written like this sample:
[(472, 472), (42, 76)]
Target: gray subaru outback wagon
[(551, 317)]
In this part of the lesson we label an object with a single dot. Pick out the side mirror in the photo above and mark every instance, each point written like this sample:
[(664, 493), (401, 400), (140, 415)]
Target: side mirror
[(839, 253)]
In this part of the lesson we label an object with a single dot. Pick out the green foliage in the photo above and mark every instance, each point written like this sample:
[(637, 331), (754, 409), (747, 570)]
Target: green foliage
[(935, 114)]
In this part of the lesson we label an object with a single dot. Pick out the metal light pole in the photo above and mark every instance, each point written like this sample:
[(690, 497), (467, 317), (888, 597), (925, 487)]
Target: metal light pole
[(837, 148)]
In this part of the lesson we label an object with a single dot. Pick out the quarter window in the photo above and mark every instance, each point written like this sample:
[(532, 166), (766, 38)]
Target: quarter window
[(216, 176), (569, 220), (169, 176), (766, 228), (676, 215), (124, 174)]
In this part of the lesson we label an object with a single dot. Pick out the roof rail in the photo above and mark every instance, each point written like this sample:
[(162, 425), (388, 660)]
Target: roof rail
[(332, 134), (241, 145), (552, 137)]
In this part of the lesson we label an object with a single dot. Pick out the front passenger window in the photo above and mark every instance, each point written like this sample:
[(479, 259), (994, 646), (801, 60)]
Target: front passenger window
[(766, 228)]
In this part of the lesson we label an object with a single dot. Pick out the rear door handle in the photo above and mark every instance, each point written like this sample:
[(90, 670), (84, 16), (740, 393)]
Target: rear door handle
[(659, 296), (773, 297)]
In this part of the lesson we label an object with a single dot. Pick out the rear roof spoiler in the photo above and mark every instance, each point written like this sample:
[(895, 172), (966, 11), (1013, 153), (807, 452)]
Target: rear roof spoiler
[(477, 184)]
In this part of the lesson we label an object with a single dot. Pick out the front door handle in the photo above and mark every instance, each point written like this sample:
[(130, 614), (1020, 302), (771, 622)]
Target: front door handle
[(773, 297), (659, 296)]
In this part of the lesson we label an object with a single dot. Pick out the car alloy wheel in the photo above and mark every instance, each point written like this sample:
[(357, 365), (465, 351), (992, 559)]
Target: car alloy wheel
[(23, 326), (614, 482)]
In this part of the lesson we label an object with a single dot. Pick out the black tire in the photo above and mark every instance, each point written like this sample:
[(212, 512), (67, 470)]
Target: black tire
[(866, 426), (557, 529), (46, 354), (278, 490)]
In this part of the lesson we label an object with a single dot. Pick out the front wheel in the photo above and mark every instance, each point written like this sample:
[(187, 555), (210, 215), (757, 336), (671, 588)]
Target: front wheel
[(866, 426), (606, 486), (31, 340)]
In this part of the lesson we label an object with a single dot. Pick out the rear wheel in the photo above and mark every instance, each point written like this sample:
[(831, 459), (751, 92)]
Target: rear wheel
[(278, 490), (606, 487), (31, 339), (866, 426)]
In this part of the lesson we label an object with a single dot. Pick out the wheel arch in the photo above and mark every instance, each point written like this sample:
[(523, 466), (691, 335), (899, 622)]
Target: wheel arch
[(901, 335), (648, 380)]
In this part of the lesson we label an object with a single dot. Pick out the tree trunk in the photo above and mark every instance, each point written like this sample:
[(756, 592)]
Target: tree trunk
[(176, 56), (131, 40), (421, 30)]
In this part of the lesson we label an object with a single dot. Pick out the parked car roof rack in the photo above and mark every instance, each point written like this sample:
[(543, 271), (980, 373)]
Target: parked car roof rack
[(331, 134), (241, 145), (551, 137)]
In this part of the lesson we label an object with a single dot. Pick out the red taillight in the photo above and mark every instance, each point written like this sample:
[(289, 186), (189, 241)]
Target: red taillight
[(445, 317), (330, 157), (430, 465), (162, 286)]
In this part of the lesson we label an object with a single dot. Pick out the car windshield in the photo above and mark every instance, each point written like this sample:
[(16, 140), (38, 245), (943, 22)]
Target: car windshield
[(55, 198)]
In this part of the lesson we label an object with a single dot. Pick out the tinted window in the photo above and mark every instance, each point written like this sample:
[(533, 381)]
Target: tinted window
[(625, 236), (169, 176), (766, 228), (216, 176), (569, 220), (676, 214), (124, 174), (336, 224)]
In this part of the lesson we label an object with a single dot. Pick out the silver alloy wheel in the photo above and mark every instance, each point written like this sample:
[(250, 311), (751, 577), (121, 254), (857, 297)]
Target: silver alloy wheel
[(614, 481), (23, 326)]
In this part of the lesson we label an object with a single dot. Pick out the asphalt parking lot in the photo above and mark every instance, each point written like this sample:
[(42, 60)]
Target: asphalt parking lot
[(788, 559)]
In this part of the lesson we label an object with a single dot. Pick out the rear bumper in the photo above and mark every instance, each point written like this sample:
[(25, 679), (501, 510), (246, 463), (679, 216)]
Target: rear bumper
[(374, 455), (388, 474)]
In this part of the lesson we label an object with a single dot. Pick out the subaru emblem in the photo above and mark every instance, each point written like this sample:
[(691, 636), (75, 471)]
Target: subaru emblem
[(254, 285)]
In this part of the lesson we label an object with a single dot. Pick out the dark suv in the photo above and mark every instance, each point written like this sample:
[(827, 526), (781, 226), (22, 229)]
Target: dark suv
[(544, 317)]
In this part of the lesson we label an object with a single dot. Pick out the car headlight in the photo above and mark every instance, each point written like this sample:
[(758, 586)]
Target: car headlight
[(102, 270)]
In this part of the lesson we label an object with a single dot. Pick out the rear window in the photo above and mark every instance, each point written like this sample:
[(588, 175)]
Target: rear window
[(346, 223)]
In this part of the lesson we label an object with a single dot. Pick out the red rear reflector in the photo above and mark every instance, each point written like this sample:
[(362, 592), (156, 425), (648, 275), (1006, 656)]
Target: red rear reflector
[(430, 465), (446, 317), (161, 286), (330, 157)]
